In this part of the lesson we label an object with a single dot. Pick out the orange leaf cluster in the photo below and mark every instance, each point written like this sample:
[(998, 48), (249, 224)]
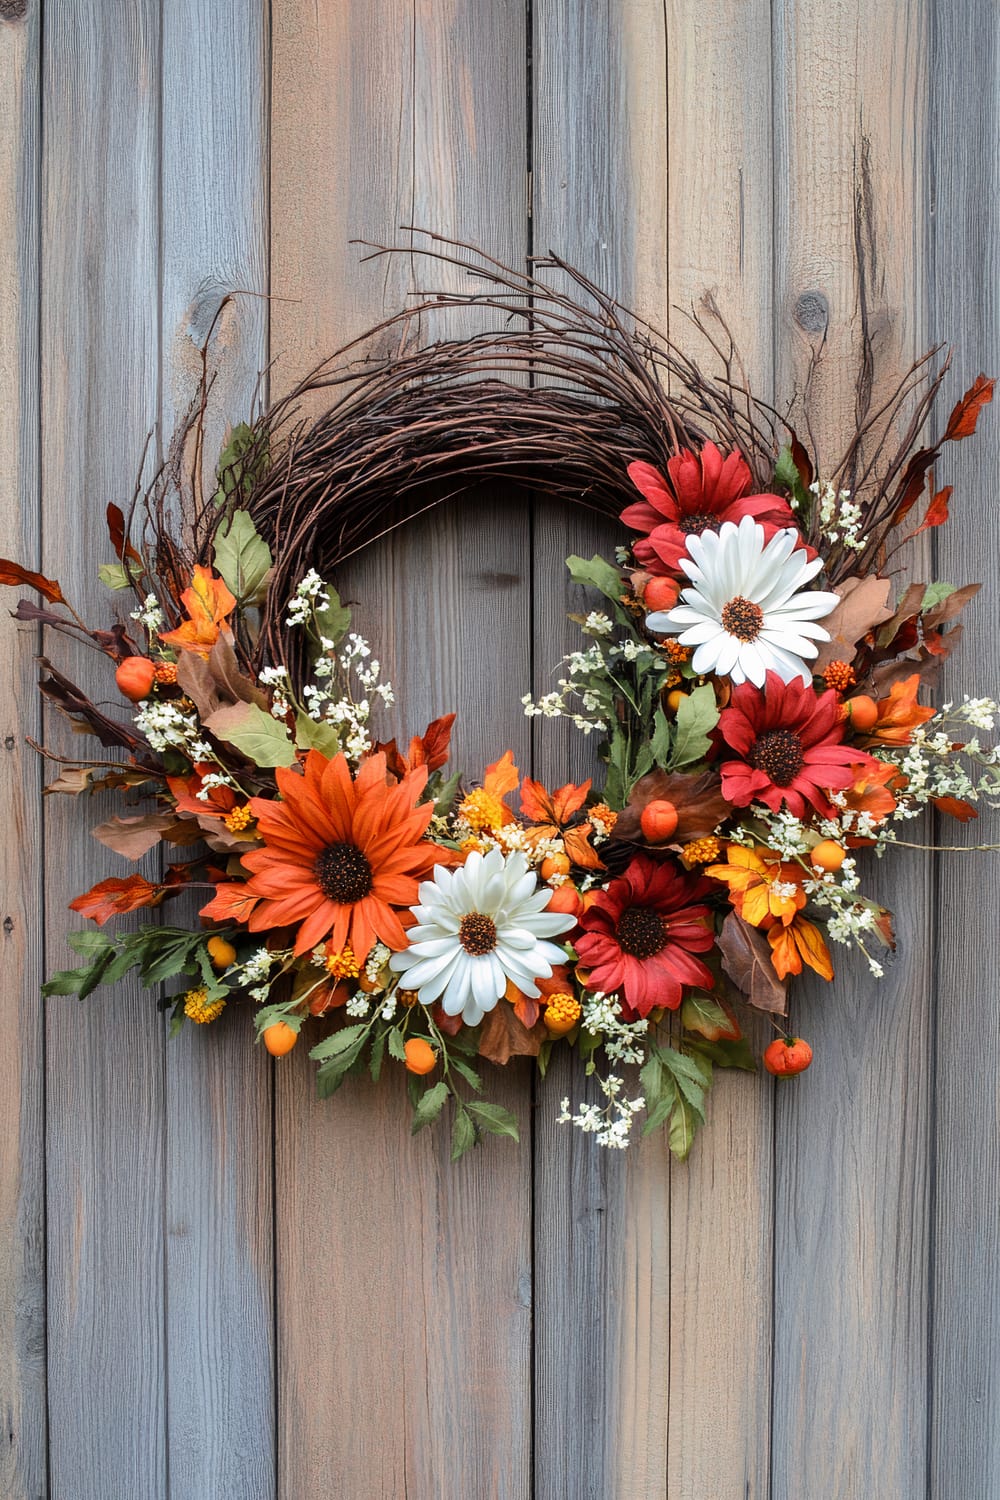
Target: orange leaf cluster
[(208, 604)]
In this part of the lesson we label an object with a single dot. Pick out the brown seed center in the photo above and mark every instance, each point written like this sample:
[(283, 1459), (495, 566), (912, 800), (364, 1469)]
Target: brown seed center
[(641, 931), (779, 753), (742, 618), (477, 934), (695, 525), (343, 873)]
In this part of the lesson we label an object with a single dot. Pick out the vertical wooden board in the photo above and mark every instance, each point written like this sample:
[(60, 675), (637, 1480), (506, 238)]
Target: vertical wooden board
[(962, 302), (720, 241), (22, 1168), (851, 1163), (602, 1248), (404, 1284), (219, 1246), (104, 1060)]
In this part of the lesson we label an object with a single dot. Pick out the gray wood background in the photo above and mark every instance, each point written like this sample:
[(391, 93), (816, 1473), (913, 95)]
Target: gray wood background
[(213, 1287)]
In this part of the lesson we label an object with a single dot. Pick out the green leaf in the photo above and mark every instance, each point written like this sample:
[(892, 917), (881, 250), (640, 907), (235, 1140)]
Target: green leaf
[(936, 593), (311, 735), (597, 574), (470, 1075), (683, 1125), (88, 943), (339, 1044), (429, 1106), (377, 1056), (254, 733), (703, 1014), (689, 1077), (114, 576), (726, 1054), (660, 742), (445, 794), (786, 474), (333, 621), (397, 1047), (697, 716), (463, 1134), (651, 1079), (242, 558), (494, 1119), (243, 458), (660, 1111)]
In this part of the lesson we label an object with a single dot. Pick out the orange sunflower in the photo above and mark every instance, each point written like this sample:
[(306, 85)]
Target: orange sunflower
[(340, 853)]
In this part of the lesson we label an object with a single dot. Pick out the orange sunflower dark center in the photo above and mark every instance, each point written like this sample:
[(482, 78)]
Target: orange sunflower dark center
[(477, 934), (695, 525), (779, 754), (343, 873), (641, 931), (742, 618)]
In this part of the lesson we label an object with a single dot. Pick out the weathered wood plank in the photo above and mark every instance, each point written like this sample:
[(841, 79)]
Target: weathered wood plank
[(404, 1284), (601, 1219), (219, 1246), (851, 1220), (104, 1060), (962, 308), (22, 1164), (721, 1200)]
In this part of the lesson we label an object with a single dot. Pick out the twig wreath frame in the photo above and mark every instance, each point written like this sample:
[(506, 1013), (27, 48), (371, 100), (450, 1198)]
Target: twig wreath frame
[(749, 670)]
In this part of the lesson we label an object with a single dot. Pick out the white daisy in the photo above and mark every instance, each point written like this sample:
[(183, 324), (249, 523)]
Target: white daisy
[(743, 613), (478, 927)]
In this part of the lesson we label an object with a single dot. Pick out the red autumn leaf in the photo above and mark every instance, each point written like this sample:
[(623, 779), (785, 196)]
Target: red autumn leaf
[(231, 903), (13, 574), (911, 486), (109, 898), (962, 422), (450, 1025), (956, 807), (802, 461), (116, 531), (432, 748), (937, 511)]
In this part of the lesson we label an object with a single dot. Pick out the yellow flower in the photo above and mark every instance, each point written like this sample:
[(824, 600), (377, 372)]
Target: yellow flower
[(341, 963), (760, 885), (239, 818), (700, 851), (482, 810), (200, 1009)]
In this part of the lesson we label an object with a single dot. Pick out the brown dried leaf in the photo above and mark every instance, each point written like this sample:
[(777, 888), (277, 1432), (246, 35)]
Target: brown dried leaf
[(863, 606), (950, 608), (134, 837), (503, 1036), (13, 574), (746, 958), (962, 422), (697, 797)]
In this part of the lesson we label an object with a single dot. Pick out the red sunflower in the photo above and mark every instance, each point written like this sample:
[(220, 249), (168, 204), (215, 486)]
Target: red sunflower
[(341, 856), (640, 935), (700, 491), (789, 740)]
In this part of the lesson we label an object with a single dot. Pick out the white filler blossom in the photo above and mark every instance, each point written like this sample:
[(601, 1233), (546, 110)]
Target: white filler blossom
[(477, 927), (745, 612)]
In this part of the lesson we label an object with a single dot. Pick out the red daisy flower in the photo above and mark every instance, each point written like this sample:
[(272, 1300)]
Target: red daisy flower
[(700, 491), (790, 742), (641, 933)]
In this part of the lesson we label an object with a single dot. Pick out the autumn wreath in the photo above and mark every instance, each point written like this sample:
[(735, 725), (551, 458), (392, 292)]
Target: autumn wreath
[(750, 671)]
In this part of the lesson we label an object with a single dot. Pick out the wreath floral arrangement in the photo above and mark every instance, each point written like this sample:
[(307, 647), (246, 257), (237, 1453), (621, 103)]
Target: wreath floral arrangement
[(750, 670)]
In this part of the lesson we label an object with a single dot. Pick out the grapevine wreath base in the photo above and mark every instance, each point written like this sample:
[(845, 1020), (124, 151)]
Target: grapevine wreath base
[(751, 669)]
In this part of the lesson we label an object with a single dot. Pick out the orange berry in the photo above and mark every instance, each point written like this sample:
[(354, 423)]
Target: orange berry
[(221, 952), (555, 864), (660, 593), (787, 1055), (675, 699), (566, 898), (135, 677), (658, 821), (828, 855), (862, 712), (420, 1056), (561, 1014), (280, 1038)]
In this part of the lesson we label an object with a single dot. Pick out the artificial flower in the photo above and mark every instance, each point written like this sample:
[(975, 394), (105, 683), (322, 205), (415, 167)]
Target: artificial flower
[(789, 740), (699, 492), (641, 933), (477, 929), (340, 855), (746, 612), (760, 885)]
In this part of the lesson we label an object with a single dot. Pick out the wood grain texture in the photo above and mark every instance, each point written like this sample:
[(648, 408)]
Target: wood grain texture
[(602, 1236), (404, 1285), (963, 245), (721, 1200), (22, 1161), (105, 1059), (852, 1159), (219, 1245)]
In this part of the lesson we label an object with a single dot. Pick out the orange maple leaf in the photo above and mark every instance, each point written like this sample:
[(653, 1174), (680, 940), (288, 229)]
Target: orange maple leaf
[(231, 903), (900, 713), (502, 776), (219, 800), (109, 898), (801, 942), (870, 793), (208, 604)]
